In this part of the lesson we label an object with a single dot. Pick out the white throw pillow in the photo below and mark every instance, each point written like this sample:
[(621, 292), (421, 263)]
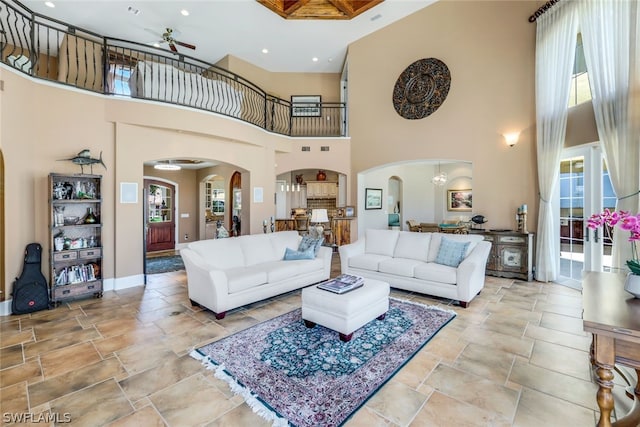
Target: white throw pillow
[(413, 245), (381, 242)]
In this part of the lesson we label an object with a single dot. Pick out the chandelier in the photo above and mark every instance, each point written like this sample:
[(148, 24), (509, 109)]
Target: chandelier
[(440, 178)]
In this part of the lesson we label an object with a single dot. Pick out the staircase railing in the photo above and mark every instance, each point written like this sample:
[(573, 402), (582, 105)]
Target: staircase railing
[(53, 50)]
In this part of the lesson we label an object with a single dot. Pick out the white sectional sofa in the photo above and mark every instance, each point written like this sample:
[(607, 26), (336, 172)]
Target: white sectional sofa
[(407, 260), (227, 273)]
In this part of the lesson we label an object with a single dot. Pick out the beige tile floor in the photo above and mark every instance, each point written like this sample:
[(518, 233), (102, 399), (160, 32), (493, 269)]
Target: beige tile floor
[(516, 357)]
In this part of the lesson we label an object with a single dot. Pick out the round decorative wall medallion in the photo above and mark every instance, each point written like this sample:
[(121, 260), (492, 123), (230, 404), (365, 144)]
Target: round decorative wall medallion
[(421, 88)]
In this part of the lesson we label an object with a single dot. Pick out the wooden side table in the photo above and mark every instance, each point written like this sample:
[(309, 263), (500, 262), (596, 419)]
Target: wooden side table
[(612, 315)]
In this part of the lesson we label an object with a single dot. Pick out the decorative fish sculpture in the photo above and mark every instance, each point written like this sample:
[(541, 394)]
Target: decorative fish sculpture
[(83, 158)]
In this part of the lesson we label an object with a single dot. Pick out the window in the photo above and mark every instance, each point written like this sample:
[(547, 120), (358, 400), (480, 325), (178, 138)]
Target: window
[(120, 75), (215, 197), (580, 89)]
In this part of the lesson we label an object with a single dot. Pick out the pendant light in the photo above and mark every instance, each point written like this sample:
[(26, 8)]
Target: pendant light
[(440, 178)]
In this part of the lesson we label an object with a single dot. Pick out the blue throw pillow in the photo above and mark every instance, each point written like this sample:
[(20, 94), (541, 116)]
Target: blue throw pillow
[(451, 253), (292, 254), (308, 242)]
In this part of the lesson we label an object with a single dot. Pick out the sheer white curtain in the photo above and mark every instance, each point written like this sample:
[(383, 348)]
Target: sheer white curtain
[(610, 37), (556, 33)]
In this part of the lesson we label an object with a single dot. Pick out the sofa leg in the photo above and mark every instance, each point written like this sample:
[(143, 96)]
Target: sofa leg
[(220, 316), (309, 323), (464, 304), (382, 316), (346, 338), (194, 304)]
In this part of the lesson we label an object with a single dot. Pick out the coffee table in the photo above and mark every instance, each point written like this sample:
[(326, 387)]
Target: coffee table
[(345, 313)]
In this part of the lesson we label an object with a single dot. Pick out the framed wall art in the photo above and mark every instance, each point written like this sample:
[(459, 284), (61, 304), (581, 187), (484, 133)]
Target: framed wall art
[(305, 105), (459, 200), (373, 198), (349, 211)]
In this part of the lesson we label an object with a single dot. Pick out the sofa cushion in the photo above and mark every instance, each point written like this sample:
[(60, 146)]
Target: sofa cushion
[(221, 254), (278, 271), (293, 255), (281, 240), (451, 253), (381, 242), (309, 242), (436, 238), (367, 261), (399, 266), (433, 272), (412, 246), (242, 278), (257, 248)]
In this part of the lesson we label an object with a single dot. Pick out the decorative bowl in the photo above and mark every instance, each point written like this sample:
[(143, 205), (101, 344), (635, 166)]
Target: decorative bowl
[(71, 220)]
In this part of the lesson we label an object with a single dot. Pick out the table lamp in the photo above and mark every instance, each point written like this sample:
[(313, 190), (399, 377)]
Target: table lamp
[(318, 216)]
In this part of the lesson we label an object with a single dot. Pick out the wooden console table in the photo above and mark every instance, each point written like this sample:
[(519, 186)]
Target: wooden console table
[(612, 315)]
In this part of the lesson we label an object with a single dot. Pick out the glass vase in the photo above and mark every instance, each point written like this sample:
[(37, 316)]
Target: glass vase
[(90, 218), (632, 284)]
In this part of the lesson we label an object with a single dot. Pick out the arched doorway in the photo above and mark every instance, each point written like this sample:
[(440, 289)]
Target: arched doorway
[(235, 190), (394, 202)]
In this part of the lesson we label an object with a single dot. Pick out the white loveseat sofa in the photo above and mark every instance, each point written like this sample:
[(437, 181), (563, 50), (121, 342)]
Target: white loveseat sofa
[(227, 273), (407, 260)]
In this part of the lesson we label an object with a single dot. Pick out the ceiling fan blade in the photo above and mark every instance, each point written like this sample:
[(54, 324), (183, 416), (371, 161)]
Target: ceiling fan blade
[(173, 47), (183, 44)]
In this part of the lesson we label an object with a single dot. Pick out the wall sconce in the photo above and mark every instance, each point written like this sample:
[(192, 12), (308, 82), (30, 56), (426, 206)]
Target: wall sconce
[(511, 138)]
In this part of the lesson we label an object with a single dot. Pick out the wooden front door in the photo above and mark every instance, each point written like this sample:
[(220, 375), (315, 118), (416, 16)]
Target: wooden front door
[(160, 216)]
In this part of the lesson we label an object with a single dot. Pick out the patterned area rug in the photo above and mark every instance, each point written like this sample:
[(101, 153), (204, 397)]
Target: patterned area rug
[(164, 264), (298, 376)]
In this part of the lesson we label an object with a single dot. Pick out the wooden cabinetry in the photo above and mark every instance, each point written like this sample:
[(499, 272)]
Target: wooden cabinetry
[(511, 254), (341, 230), (322, 190), (75, 236), (285, 224)]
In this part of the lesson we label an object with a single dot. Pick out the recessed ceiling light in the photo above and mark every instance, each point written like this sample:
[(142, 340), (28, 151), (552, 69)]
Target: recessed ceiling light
[(265, 50), (167, 167), (49, 4), (314, 59), (184, 12)]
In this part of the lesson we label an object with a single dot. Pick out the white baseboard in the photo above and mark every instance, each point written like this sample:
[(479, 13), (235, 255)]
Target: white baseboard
[(5, 307), (107, 285), (181, 246), (125, 282)]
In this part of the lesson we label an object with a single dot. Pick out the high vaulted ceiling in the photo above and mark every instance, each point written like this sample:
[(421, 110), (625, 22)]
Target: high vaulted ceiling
[(319, 9), (242, 28)]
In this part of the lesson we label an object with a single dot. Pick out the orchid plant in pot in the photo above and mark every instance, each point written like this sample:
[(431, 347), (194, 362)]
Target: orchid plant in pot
[(631, 223)]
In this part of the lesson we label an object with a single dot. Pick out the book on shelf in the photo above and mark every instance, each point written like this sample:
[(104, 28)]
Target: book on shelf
[(341, 284)]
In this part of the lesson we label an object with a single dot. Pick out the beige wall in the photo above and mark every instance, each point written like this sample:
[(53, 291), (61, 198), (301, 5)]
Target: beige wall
[(489, 49), (43, 123), (80, 62), (283, 85)]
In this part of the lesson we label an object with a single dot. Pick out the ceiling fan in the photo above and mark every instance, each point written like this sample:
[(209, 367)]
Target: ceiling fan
[(167, 37)]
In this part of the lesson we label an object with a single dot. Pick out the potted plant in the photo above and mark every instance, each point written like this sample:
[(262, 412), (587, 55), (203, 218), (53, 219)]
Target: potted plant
[(631, 223)]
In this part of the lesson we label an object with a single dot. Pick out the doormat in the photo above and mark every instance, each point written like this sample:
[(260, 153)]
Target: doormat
[(164, 264), (294, 375)]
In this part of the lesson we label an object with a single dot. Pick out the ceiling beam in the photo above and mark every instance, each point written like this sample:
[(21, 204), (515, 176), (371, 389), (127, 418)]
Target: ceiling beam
[(319, 9)]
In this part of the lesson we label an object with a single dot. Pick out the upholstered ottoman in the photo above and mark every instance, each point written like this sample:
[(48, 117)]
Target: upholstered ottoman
[(346, 312)]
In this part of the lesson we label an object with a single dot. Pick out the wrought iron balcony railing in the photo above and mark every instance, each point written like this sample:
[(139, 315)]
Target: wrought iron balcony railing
[(49, 49)]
